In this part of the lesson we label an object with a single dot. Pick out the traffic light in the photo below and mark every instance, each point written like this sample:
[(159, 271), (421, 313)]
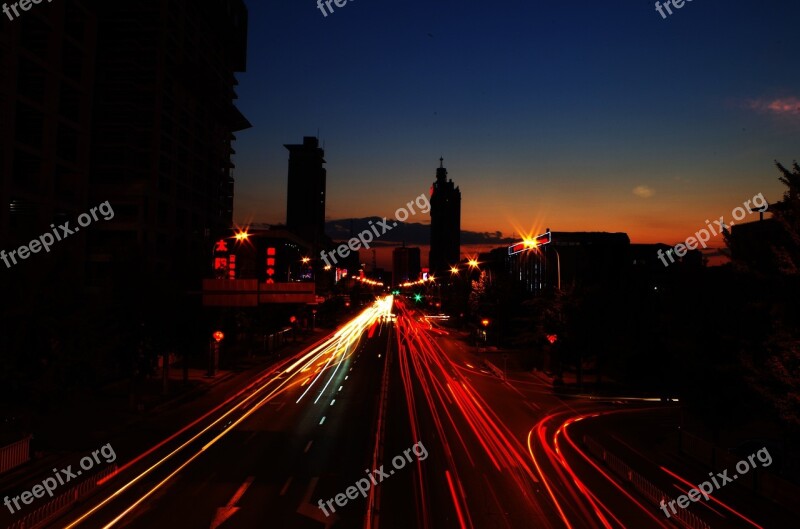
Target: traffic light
[(417, 297)]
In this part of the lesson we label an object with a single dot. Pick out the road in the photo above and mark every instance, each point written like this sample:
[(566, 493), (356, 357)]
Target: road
[(390, 422)]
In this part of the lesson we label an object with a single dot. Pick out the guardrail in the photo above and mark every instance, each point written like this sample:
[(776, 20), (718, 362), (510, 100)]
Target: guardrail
[(61, 503), (15, 454), (642, 484)]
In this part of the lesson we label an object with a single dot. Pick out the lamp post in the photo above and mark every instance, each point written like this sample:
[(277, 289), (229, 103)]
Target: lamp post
[(558, 269), (485, 323), (213, 354)]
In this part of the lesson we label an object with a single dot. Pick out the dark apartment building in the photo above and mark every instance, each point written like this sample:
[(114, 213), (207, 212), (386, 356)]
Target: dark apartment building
[(445, 223), (47, 57), (305, 201), (164, 123), (405, 264), (130, 103)]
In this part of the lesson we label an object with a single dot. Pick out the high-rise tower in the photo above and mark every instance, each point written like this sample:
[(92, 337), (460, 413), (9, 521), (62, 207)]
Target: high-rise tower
[(305, 201), (445, 223)]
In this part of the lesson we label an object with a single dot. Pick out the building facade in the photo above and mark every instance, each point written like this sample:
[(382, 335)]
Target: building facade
[(163, 130), (406, 264)]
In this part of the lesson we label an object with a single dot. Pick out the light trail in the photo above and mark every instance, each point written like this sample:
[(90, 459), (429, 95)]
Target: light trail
[(338, 349)]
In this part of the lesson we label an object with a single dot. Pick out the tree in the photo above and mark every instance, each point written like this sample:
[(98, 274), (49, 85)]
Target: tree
[(773, 365)]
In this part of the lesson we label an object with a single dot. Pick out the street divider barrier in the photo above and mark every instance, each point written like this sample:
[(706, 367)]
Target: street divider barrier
[(61, 503), (642, 485)]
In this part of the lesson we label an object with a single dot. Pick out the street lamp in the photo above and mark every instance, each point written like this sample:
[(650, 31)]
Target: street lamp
[(473, 263), (454, 270), (213, 354), (558, 268)]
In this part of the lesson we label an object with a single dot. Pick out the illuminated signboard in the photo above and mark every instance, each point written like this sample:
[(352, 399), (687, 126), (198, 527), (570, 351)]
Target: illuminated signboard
[(539, 240)]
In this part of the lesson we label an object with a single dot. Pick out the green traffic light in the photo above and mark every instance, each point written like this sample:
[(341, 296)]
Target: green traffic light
[(417, 297)]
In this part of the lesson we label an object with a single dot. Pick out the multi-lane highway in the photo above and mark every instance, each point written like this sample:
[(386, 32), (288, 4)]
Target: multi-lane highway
[(389, 422)]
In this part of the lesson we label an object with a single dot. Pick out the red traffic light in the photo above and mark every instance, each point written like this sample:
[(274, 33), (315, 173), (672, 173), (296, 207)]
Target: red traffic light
[(218, 336)]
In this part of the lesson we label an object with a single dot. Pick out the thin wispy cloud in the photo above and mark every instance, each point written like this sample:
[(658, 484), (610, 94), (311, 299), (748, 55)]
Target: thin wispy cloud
[(786, 106), (643, 191)]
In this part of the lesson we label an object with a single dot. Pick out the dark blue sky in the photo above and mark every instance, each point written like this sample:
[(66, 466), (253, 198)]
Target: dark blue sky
[(575, 115)]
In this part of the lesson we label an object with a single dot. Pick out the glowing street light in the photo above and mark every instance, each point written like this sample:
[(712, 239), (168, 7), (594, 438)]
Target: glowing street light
[(473, 263), (306, 260), (485, 322), (242, 235), (213, 354), (454, 270)]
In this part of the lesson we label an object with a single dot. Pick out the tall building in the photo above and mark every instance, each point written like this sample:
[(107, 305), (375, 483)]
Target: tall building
[(405, 264), (46, 91), (129, 103), (164, 123), (305, 201), (445, 223)]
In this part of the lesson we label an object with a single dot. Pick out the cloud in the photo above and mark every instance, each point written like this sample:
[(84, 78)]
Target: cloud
[(786, 106), (643, 191)]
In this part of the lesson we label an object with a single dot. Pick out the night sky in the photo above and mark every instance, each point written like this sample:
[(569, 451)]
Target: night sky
[(578, 116)]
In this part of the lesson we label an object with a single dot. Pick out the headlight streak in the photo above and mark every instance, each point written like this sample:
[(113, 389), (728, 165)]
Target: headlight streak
[(372, 512), (348, 333)]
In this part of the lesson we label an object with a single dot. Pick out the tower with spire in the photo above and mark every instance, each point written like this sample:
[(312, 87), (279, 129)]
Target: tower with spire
[(445, 223)]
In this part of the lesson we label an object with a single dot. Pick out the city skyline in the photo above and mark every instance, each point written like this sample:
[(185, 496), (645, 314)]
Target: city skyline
[(662, 133), (242, 287)]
